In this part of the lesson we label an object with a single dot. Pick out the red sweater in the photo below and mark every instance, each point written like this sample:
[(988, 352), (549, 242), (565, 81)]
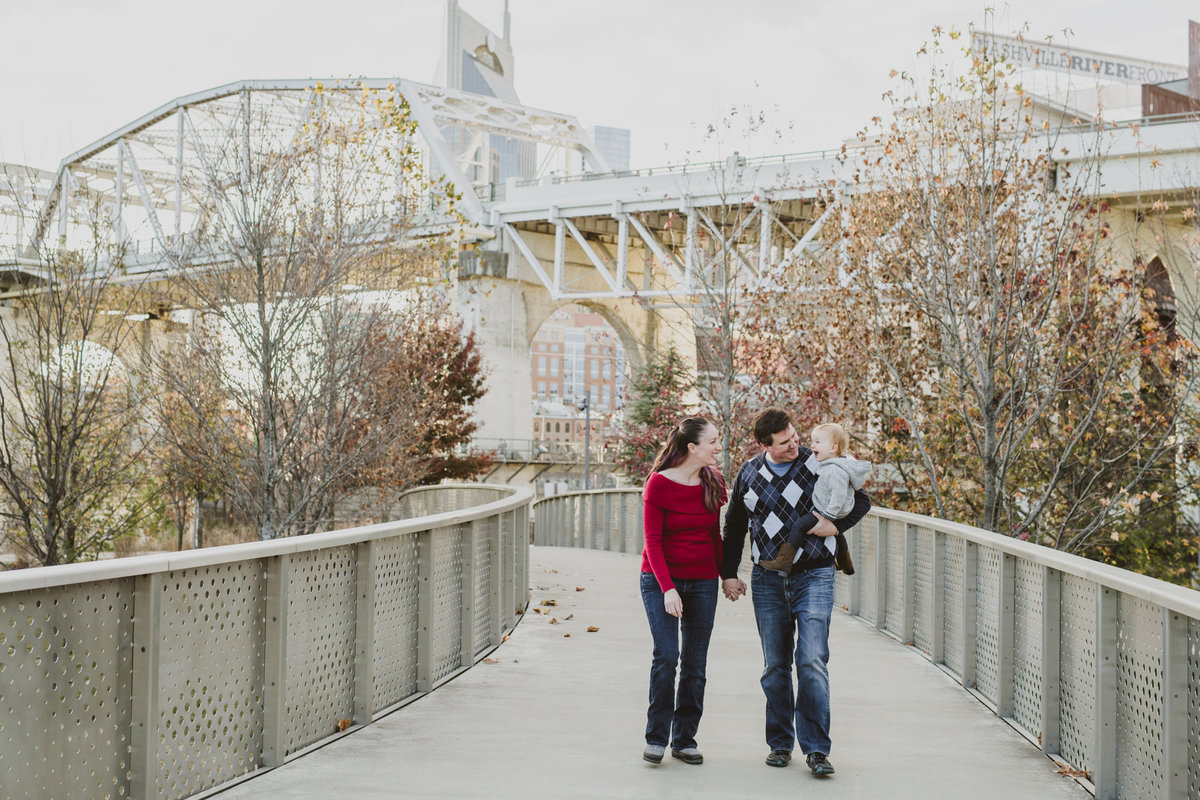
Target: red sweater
[(682, 537)]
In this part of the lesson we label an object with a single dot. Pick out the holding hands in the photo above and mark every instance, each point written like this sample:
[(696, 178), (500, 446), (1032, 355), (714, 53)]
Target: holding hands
[(733, 588)]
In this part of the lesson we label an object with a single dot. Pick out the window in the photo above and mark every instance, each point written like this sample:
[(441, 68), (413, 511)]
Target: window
[(558, 427), (541, 366), (554, 367), (541, 392), (605, 396), (537, 426), (595, 369), (607, 370)]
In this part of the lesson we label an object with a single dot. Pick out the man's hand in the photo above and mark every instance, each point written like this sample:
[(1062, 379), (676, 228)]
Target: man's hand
[(733, 588), (823, 527)]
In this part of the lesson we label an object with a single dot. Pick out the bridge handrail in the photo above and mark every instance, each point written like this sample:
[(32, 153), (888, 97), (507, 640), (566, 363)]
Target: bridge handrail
[(1097, 666), (171, 675)]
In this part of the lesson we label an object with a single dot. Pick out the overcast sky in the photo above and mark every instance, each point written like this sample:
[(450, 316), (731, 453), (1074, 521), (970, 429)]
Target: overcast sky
[(75, 70)]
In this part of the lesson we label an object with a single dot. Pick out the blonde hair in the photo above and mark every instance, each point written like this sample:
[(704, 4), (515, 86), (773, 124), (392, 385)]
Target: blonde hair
[(837, 436)]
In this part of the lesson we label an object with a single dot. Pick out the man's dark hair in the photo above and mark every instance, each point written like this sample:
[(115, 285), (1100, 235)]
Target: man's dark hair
[(769, 423)]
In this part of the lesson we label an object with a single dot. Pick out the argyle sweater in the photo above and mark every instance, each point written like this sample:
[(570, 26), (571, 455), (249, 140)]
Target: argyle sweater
[(769, 505)]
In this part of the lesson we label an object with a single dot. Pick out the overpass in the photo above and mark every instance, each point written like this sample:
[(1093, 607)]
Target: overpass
[(410, 659)]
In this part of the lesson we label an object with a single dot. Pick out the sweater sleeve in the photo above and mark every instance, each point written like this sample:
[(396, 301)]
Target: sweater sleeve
[(653, 518), (862, 504), (736, 522)]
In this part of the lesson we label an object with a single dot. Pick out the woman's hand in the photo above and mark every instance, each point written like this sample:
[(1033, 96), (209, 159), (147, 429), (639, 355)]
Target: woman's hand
[(672, 603), (733, 588)]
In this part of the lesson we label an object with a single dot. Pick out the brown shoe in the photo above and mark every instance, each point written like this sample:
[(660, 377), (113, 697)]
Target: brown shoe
[(842, 557), (781, 562)]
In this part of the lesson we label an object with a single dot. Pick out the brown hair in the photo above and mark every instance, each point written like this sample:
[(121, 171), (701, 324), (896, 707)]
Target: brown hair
[(837, 436), (675, 451), (770, 422)]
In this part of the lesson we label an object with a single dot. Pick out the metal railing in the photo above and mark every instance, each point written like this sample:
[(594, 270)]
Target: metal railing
[(168, 675), (1097, 666)]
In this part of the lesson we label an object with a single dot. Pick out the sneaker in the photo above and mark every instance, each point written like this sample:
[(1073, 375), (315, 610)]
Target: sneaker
[(819, 764), (779, 758), (653, 753), (688, 755)]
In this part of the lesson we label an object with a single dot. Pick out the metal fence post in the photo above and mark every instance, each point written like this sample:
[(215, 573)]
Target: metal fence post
[(970, 589), (497, 595), (937, 615), (467, 588), (883, 529), (1175, 705), (1105, 774), (147, 656), (908, 590), (425, 611), (1051, 655), (364, 635), (1006, 627), (275, 669)]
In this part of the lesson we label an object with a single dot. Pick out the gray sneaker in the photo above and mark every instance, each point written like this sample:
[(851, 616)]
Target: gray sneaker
[(688, 755), (654, 753)]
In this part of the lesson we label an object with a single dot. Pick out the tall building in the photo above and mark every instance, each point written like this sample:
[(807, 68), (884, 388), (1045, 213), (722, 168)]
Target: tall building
[(476, 60)]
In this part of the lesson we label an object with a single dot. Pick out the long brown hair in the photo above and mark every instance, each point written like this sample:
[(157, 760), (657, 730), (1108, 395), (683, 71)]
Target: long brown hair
[(675, 451)]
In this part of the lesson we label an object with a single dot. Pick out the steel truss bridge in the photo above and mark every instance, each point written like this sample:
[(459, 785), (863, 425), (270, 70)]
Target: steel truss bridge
[(577, 230)]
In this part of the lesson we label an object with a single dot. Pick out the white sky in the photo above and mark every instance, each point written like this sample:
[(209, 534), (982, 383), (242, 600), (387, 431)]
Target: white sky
[(75, 70)]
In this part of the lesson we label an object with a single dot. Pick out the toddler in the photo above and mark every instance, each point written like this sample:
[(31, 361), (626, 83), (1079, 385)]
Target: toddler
[(839, 474)]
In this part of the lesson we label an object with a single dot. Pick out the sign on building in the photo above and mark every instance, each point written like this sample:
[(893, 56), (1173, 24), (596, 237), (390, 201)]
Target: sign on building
[(1104, 66)]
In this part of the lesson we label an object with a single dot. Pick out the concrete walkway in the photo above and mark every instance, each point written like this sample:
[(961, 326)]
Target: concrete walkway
[(559, 716)]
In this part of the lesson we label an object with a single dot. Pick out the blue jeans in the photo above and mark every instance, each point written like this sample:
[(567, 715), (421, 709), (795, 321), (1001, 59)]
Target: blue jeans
[(793, 612), (673, 718)]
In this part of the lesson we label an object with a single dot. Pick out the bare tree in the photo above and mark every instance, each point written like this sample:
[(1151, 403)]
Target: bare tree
[(71, 433), (303, 247)]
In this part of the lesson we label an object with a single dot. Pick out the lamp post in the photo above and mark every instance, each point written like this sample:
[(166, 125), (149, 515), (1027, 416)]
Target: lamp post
[(585, 406)]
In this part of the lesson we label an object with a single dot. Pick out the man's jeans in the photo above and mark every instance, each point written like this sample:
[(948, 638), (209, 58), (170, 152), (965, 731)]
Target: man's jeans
[(673, 719), (794, 610)]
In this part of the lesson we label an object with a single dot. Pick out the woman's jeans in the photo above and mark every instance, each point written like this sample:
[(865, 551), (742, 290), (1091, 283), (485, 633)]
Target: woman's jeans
[(793, 614), (674, 717)]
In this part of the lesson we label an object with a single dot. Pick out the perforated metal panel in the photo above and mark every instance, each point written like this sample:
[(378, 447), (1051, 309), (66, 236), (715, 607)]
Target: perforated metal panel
[(952, 614), (1139, 698), (1077, 673), (210, 722), (320, 644), (447, 601), (1193, 749), (396, 601), (869, 531), (895, 579), (1027, 646), (65, 689), (483, 585), (987, 625), (923, 591)]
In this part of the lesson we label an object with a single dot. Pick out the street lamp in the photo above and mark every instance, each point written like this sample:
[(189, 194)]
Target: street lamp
[(586, 407)]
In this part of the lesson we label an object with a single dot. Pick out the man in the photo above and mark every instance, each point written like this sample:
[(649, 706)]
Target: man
[(771, 495)]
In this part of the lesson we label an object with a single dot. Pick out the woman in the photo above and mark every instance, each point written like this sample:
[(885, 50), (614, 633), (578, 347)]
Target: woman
[(681, 563)]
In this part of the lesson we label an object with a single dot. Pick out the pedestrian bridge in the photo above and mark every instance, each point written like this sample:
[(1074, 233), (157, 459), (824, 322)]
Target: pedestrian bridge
[(966, 664)]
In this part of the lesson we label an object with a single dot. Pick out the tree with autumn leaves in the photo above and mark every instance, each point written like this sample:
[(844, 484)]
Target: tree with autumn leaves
[(1019, 369)]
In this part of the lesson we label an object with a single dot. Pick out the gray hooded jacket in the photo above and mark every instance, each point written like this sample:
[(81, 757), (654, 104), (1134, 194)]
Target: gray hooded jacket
[(837, 480)]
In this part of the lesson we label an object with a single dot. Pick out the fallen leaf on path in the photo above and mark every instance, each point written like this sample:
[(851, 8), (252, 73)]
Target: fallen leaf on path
[(504, 638), (566, 636), (570, 616), (550, 602), (491, 661), (537, 611), (552, 570), (592, 629), (343, 724), (554, 620), (581, 588), (1070, 772)]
